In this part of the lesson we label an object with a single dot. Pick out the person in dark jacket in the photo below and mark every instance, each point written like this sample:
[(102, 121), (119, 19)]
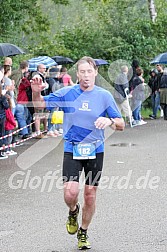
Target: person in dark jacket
[(135, 65), (138, 96), (163, 93), (3, 106), (159, 75), (155, 95)]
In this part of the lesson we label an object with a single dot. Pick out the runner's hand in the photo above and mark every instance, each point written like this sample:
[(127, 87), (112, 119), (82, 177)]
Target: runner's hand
[(102, 122), (37, 85)]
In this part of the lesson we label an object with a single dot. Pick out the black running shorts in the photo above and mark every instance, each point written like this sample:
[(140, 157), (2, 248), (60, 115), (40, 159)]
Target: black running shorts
[(72, 168)]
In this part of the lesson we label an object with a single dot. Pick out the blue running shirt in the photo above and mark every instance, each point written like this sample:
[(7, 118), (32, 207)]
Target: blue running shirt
[(81, 110)]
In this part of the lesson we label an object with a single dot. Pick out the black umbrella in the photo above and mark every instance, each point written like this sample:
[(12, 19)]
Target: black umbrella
[(160, 59), (61, 60), (7, 49)]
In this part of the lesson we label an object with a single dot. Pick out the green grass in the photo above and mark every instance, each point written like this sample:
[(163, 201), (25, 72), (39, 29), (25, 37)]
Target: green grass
[(145, 112)]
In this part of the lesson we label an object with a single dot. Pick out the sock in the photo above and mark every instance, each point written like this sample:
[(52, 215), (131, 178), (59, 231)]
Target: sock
[(83, 230), (75, 211)]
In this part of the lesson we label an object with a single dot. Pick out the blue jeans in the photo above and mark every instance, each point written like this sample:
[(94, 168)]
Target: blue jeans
[(2, 130), (155, 98), (23, 118), (51, 126), (8, 140), (136, 112)]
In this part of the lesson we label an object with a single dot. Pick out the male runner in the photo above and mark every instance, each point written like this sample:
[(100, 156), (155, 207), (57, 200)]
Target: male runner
[(88, 110)]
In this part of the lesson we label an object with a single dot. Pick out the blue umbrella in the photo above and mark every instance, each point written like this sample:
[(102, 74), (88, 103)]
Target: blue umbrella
[(34, 62), (160, 59), (100, 62)]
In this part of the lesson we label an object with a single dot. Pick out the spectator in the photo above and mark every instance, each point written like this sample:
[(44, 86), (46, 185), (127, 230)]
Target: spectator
[(163, 92), (122, 91), (3, 106), (18, 74), (135, 65), (22, 113), (2, 79), (7, 61), (155, 95), (160, 73), (41, 73), (9, 86), (10, 124), (138, 97), (53, 79), (66, 78)]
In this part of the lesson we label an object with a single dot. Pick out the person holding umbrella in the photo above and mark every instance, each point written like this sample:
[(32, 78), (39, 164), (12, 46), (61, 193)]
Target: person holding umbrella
[(163, 92), (152, 83), (88, 110)]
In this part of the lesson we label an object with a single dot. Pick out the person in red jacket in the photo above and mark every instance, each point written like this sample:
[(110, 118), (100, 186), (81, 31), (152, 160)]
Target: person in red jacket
[(22, 113), (10, 124)]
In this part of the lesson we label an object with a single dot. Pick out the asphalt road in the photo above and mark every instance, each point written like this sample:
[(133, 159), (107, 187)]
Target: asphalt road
[(131, 212)]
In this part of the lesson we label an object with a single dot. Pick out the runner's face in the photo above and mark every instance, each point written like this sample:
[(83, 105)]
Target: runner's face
[(86, 75)]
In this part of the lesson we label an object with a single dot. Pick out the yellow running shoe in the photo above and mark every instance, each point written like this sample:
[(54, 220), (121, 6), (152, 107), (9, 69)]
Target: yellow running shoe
[(72, 222), (83, 243)]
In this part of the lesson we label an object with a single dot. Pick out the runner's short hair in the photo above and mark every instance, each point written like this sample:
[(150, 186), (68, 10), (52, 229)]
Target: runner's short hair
[(86, 59)]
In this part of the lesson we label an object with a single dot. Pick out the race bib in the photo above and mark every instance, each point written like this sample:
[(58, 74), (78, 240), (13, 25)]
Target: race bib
[(84, 151)]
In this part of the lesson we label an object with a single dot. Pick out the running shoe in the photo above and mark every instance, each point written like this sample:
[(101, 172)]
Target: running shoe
[(72, 222), (3, 155), (83, 243), (17, 144), (152, 117), (11, 153), (142, 122)]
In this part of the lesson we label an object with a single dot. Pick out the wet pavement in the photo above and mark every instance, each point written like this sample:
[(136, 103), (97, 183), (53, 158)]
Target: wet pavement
[(131, 212)]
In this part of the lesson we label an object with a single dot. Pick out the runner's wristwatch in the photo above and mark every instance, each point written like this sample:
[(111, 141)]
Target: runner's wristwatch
[(112, 121)]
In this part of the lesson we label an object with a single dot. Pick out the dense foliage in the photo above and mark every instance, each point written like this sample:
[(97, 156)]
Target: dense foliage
[(108, 29)]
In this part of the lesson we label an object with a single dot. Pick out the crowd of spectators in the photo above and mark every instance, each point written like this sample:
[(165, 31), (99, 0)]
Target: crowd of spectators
[(16, 107), (17, 111)]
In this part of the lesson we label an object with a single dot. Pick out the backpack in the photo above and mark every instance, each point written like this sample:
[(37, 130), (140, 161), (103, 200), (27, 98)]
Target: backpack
[(53, 84)]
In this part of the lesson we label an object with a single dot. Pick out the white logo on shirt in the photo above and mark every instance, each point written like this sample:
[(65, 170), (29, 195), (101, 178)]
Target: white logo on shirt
[(85, 107)]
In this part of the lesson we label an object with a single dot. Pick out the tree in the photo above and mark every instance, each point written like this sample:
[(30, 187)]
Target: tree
[(108, 29), (153, 13), (23, 17)]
